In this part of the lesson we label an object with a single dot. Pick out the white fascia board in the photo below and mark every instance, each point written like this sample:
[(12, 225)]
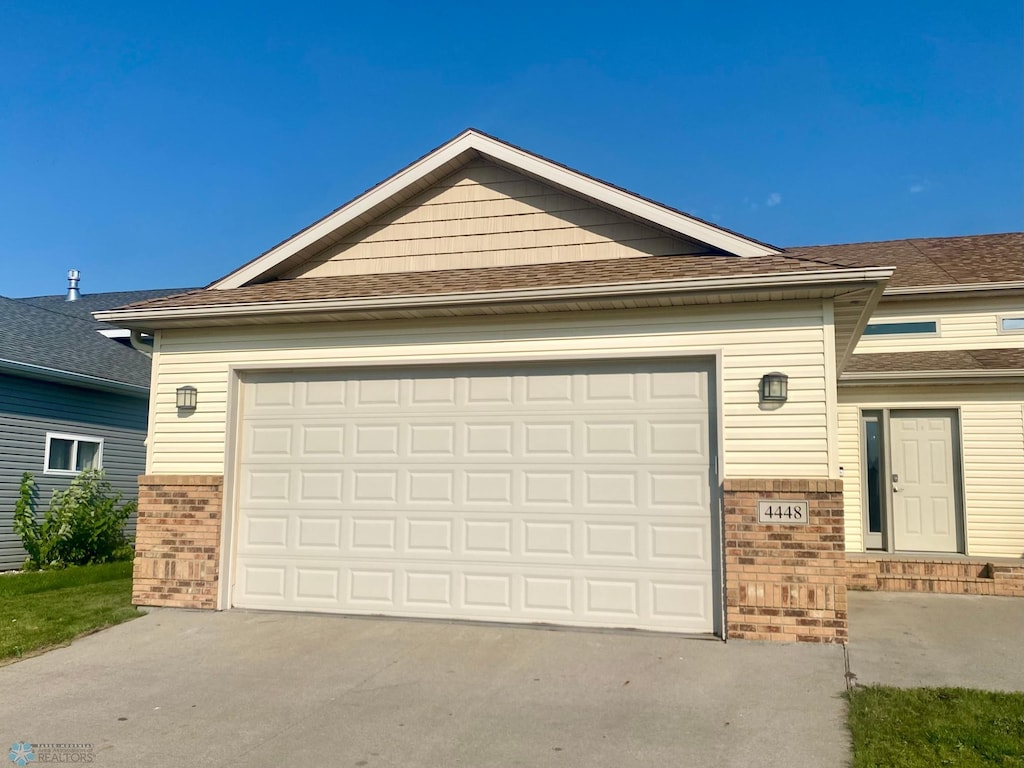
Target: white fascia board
[(930, 377), (797, 279), (115, 333), (969, 288), (75, 379), (533, 165)]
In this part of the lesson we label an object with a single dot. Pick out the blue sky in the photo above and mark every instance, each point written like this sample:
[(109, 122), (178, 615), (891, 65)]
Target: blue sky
[(164, 144)]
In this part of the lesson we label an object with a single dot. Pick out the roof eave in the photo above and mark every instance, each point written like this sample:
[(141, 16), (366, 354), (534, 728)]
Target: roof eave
[(471, 143), (150, 319), (972, 288), (74, 379), (932, 378)]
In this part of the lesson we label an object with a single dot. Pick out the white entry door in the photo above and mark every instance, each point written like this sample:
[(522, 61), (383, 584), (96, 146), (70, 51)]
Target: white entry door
[(565, 493), (924, 482)]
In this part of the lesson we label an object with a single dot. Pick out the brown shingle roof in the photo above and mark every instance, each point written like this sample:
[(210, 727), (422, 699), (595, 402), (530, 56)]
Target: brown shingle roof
[(560, 275), (932, 261), (921, 262), (979, 360)]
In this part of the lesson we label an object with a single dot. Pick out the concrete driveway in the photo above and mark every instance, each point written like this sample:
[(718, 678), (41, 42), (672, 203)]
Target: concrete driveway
[(178, 688)]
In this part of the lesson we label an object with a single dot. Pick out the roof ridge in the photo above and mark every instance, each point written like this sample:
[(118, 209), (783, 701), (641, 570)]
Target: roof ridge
[(914, 244), (905, 240), (810, 260)]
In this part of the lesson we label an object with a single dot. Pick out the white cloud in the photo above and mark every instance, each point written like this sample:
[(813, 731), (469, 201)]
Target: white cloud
[(771, 201), (916, 187)]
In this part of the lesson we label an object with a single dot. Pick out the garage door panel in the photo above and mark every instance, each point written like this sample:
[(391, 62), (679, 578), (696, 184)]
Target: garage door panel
[(374, 486), (318, 534), (266, 531), (371, 535), (478, 388), (624, 598), (570, 494), (579, 438), (472, 536)]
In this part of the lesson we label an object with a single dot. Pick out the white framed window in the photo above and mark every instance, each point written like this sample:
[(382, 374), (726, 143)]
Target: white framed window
[(903, 328), (71, 454), (1011, 324)]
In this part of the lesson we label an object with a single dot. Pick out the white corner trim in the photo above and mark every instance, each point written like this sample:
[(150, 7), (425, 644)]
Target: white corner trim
[(531, 164), (831, 388)]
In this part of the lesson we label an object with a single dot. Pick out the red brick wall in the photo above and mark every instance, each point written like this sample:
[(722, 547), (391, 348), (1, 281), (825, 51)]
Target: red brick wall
[(785, 582), (177, 544), (952, 575)]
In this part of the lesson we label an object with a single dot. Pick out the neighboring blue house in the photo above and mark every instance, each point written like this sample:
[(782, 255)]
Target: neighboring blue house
[(74, 394)]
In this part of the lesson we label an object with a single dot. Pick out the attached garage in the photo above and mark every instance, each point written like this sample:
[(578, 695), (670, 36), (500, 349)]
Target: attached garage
[(576, 494), (492, 388)]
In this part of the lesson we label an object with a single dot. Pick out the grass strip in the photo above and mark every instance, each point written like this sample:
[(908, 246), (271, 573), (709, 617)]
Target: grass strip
[(39, 610), (932, 727)]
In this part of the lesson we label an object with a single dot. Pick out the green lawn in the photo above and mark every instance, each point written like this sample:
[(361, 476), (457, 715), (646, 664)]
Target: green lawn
[(46, 608), (933, 727)]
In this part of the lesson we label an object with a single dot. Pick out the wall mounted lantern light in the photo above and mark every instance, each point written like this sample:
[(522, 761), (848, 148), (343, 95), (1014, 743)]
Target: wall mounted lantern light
[(186, 398), (774, 387)]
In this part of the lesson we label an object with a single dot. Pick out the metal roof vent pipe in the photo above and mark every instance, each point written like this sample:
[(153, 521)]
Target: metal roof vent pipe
[(73, 293)]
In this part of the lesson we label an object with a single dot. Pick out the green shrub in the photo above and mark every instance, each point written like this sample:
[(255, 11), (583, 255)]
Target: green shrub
[(83, 524)]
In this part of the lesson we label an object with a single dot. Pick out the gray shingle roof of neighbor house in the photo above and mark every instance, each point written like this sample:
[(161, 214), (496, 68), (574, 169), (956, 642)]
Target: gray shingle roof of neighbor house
[(931, 261), (940, 361), (40, 336), (950, 261), (88, 303)]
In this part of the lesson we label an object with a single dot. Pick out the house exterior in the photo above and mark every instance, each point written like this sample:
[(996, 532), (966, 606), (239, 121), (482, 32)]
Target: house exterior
[(932, 401), (494, 388), (71, 397)]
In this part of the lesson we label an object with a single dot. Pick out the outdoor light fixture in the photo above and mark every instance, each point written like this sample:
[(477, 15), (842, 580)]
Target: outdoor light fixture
[(774, 387), (186, 398)]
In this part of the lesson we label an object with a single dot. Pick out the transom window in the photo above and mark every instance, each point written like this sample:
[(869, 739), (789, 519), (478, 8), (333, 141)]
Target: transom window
[(71, 454), (1014, 323), (915, 326)]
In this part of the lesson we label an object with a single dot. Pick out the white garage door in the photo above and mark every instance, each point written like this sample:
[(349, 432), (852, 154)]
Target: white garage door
[(571, 494)]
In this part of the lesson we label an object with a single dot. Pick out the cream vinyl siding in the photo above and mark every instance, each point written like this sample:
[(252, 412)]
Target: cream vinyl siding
[(485, 215), (992, 433), (963, 324), (791, 441)]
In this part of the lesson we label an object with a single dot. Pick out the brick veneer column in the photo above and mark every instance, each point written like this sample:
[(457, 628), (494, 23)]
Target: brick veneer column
[(177, 543), (785, 582)]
